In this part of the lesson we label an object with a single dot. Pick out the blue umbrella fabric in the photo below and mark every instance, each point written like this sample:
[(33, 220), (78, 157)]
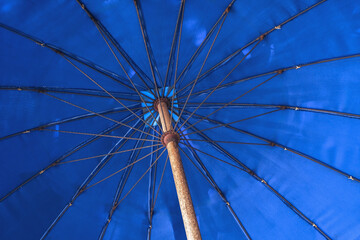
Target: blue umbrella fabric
[(264, 95)]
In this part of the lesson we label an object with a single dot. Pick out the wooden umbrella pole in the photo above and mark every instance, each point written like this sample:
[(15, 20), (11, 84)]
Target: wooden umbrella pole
[(170, 139)]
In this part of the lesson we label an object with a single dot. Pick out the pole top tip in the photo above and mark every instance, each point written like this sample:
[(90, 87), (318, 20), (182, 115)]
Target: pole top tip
[(159, 100)]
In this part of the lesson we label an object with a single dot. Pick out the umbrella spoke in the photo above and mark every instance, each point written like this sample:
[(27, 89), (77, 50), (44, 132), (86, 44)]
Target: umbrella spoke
[(151, 191), (66, 120), (176, 69), (103, 155), (201, 68), (203, 43), (117, 78), (88, 179), (277, 27), (123, 180), (218, 123), (141, 176), (324, 111), (102, 29), (229, 142), (151, 198), (285, 107), (263, 181), (129, 165), (237, 121), (260, 39), (215, 111), (157, 191), (104, 36), (176, 39), (206, 174), (97, 84), (74, 91), (272, 143), (294, 67), (116, 204), (94, 134), (148, 48), (212, 156), (132, 83), (110, 119), (122, 67), (155, 155), (58, 160), (66, 56)]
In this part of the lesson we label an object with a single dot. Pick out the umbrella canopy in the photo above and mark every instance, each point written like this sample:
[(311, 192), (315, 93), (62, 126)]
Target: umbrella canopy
[(263, 94)]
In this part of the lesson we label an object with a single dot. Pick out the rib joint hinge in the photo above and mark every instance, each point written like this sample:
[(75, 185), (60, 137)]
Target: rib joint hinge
[(170, 136), (58, 52), (39, 128), (40, 90), (40, 43), (227, 10)]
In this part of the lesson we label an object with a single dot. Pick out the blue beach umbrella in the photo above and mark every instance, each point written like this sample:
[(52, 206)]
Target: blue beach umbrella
[(104, 103)]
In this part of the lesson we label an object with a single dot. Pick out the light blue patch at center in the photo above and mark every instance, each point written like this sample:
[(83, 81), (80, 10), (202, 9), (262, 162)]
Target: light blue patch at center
[(149, 99)]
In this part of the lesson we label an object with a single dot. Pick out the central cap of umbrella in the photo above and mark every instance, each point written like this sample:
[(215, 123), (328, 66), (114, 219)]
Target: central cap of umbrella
[(151, 103)]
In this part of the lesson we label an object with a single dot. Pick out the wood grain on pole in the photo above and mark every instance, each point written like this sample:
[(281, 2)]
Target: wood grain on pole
[(186, 206)]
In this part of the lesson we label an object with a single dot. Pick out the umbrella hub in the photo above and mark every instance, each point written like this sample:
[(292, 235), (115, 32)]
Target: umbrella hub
[(151, 102), (170, 136)]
